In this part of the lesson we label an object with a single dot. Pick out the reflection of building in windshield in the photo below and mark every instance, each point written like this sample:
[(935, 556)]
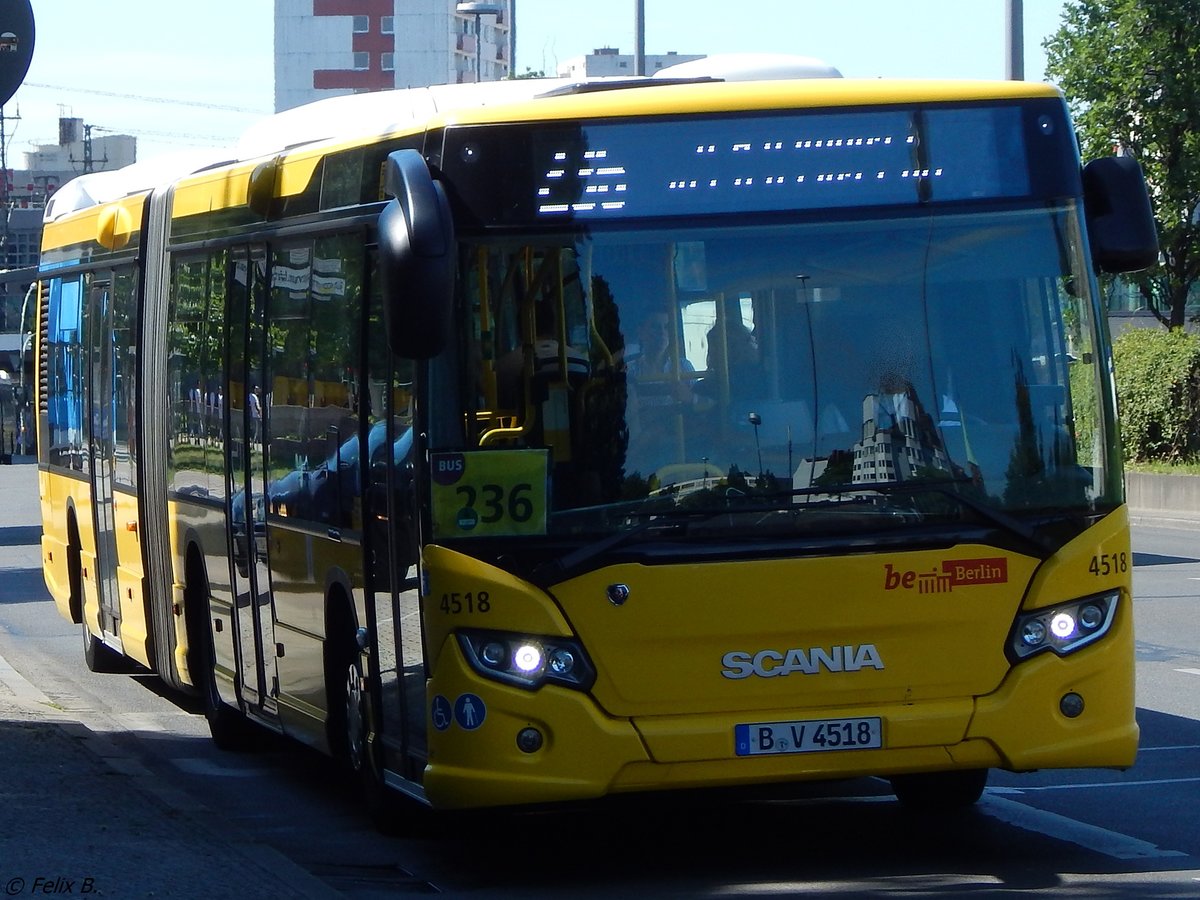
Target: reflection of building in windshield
[(899, 439)]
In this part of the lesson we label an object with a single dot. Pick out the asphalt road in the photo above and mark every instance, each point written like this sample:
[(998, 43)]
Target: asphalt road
[(284, 810)]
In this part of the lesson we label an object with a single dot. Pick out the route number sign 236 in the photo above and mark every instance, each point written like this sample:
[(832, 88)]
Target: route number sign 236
[(489, 493)]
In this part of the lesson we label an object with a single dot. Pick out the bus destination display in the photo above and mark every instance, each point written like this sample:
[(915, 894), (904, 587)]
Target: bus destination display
[(524, 175), (777, 163)]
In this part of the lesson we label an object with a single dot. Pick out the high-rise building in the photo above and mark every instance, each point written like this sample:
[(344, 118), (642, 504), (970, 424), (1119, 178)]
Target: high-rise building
[(328, 47), (607, 62)]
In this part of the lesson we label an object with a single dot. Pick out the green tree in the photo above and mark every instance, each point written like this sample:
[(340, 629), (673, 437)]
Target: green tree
[(1131, 72), (1158, 383)]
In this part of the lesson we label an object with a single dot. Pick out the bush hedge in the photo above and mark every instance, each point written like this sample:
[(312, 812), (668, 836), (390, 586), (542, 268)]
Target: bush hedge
[(1158, 394)]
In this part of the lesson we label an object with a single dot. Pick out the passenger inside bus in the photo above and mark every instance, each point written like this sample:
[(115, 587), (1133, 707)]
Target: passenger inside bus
[(547, 364), (734, 374), (659, 382)]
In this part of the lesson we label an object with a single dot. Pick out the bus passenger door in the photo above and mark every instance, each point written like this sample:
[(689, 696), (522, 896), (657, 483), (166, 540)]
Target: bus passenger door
[(245, 465), (392, 548), (100, 419)]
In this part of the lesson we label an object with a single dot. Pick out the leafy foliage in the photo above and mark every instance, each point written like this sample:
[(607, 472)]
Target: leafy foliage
[(1158, 386), (1131, 72)]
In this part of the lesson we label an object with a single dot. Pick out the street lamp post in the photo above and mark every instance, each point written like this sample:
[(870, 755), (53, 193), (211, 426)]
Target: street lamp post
[(5, 389), (639, 37), (478, 9), (1014, 38)]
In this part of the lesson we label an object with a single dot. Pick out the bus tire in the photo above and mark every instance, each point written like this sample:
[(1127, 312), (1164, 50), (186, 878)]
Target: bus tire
[(347, 709), (349, 732), (97, 655), (390, 812), (940, 791), (346, 698), (230, 730)]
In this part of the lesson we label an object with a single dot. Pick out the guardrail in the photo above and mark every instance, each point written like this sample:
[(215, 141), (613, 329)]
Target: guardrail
[(1172, 497)]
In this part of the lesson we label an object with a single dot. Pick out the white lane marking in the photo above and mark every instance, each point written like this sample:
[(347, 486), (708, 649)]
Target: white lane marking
[(1169, 747), (1090, 785), (1100, 840), (198, 766), (1091, 837), (1189, 671)]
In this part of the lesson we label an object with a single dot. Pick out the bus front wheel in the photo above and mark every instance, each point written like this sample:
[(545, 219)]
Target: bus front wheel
[(97, 655), (230, 729), (345, 696), (940, 791)]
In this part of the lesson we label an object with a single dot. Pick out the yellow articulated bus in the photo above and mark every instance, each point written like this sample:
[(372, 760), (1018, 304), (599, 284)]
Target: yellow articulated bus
[(537, 442)]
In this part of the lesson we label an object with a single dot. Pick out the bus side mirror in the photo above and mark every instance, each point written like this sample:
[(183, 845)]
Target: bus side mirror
[(416, 258), (1121, 226)]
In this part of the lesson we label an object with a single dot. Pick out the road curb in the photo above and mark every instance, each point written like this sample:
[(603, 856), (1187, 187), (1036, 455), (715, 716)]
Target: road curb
[(240, 854)]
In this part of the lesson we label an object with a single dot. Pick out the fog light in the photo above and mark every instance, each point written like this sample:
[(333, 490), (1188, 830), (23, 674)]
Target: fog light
[(1091, 617), (1071, 705), (562, 661), (494, 654), (529, 740), (1034, 633)]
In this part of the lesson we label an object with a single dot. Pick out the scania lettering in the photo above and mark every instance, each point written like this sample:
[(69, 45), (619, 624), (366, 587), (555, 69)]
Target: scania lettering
[(769, 663), (499, 439)]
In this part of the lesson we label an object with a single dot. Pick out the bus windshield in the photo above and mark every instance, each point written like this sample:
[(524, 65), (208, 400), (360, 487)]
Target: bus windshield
[(770, 380)]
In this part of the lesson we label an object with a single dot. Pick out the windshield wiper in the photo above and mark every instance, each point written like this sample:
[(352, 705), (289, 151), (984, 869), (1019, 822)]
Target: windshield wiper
[(949, 487), (557, 569)]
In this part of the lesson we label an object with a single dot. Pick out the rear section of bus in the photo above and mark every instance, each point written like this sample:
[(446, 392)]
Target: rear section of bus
[(88, 417)]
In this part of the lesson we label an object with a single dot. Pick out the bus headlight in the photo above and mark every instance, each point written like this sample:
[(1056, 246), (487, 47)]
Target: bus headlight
[(1063, 628), (528, 661)]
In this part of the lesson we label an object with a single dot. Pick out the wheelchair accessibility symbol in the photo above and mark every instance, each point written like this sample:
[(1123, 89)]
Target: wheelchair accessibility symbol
[(468, 711), (442, 715)]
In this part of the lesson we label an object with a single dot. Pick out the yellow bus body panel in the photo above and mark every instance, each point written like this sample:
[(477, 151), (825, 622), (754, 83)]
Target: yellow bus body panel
[(226, 187), (774, 96), (209, 191), (662, 715), (136, 639), (582, 758), (54, 491), (109, 226)]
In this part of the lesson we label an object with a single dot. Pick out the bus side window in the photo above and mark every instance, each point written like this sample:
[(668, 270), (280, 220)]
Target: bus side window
[(314, 381)]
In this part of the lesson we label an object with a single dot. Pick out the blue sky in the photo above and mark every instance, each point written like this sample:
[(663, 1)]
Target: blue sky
[(180, 75)]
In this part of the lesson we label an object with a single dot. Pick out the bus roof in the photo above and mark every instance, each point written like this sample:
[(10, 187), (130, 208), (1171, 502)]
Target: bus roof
[(379, 112), (713, 84)]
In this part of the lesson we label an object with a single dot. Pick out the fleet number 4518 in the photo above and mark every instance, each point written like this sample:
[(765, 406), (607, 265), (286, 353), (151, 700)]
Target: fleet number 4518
[(1109, 564), (455, 603)]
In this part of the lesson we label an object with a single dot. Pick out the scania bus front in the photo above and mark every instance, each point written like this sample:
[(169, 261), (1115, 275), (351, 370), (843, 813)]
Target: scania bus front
[(772, 445)]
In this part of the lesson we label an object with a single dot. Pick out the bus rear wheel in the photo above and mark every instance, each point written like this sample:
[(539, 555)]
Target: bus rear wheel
[(97, 655), (940, 791), (230, 729)]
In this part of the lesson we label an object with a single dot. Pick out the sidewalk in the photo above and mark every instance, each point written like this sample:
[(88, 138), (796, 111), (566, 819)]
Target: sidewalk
[(81, 816)]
